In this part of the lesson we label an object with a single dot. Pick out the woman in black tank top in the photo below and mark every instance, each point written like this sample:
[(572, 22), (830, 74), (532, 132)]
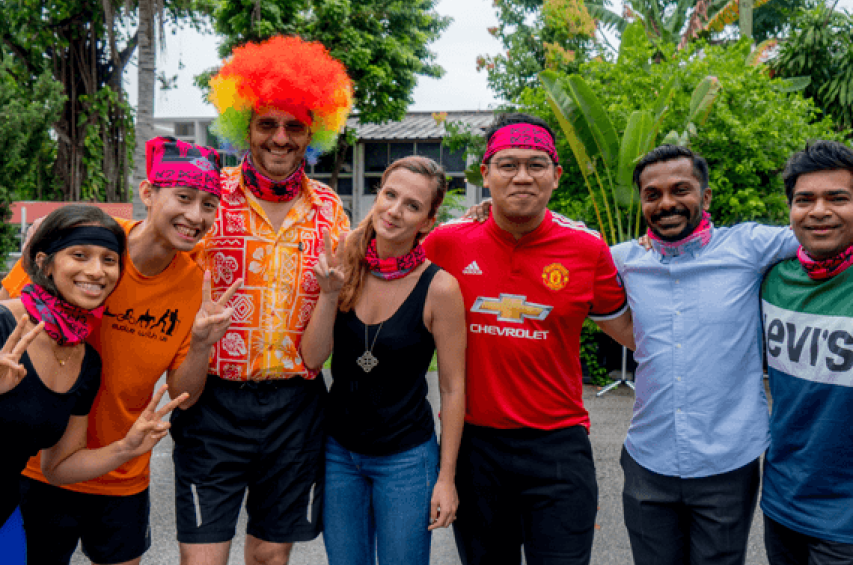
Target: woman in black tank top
[(383, 311)]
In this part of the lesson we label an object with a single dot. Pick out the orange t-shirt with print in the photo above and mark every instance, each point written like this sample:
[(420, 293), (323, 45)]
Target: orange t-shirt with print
[(145, 332)]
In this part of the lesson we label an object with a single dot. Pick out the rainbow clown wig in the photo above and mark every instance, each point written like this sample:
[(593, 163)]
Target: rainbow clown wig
[(284, 73)]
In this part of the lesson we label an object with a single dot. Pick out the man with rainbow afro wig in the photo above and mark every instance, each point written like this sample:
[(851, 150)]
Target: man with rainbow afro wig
[(258, 424)]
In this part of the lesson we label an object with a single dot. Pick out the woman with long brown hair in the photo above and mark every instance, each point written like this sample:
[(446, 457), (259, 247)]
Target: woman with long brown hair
[(384, 309)]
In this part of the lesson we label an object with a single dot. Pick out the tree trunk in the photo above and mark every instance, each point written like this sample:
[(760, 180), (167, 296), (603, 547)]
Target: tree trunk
[(145, 101), (745, 18), (75, 69)]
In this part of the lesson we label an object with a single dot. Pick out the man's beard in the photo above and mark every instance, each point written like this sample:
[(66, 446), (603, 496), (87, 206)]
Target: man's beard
[(688, 229)]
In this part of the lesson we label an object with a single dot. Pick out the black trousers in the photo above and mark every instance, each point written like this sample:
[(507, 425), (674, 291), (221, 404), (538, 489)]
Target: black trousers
[(675, 521), (788, 547), (525, 487)]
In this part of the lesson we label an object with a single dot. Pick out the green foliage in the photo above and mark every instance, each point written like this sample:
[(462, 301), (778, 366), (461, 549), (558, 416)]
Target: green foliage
[(382, 43), (28, 149), (820, 47), (100, 113), (774, 18), (452, 207), (84, 45), (589, 353), (664, 21), (751, 132), (605, 162), (461, 136), (536, 34)]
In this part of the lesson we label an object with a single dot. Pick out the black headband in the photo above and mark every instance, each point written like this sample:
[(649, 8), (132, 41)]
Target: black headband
[(85, 235)]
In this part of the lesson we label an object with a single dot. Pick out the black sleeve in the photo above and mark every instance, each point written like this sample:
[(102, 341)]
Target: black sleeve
[(89, 382), (8, 323)]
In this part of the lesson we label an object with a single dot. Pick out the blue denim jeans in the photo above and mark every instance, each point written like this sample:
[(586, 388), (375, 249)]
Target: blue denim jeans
[(13, 544), (378, 506)]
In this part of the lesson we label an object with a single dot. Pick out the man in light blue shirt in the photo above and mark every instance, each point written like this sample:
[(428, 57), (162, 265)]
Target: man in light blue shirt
[(700, 422)]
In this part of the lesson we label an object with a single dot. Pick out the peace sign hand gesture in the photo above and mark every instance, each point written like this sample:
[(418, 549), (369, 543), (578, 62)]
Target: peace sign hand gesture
[(328, 268), (213, 318), (150, 428), (11, 372)]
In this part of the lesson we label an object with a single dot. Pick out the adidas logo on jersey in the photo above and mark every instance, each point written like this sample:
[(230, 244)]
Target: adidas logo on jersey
[(472, 269)]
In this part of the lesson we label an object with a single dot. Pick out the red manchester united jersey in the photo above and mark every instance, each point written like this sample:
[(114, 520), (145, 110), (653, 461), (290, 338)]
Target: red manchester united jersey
[(525, 302)]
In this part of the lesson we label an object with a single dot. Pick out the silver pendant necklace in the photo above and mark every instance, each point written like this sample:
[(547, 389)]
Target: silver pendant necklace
[(368, 361)]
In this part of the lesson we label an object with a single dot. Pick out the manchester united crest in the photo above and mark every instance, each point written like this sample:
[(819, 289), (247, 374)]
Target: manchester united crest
[(555, 276)]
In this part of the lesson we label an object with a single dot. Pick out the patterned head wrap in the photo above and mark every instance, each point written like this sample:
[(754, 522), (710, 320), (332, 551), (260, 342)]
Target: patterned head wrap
[(288, 74), (521, 136), (171, 162)]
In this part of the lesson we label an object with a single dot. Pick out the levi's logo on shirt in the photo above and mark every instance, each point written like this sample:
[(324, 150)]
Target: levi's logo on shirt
[(813, 347)]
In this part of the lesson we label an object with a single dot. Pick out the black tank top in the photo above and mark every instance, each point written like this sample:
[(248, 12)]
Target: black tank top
[(384, 411)]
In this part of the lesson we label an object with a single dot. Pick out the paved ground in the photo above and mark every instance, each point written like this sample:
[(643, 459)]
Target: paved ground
[(610, 416)]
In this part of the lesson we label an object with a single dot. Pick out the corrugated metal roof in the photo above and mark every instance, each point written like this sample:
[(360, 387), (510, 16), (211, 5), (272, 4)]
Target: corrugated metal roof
[(418, 125)]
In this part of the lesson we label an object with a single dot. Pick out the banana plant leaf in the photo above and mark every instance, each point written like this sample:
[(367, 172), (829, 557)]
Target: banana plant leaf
[(597, 132), (702, 99), (632, 149)]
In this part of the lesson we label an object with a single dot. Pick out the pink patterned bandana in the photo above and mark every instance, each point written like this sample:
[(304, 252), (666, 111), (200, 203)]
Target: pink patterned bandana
[(172, 162), (820, 269), (65, 323), (268, 189), (699, 238), (521, 136), (394, 267)]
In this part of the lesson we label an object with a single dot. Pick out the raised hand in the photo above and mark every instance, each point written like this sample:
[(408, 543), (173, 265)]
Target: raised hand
[(213, 317), (150, 428), (11, 372), (328, 269)]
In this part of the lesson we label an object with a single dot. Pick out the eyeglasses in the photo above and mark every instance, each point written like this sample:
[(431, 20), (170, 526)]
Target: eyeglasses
[(292, 127), (508, 167)]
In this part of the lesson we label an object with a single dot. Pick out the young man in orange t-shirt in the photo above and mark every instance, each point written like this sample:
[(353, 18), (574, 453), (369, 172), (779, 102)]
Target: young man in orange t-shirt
[(157, 320)]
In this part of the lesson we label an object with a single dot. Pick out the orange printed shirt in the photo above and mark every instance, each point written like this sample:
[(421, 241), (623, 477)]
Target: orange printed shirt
[(279, 289), (145, 331)]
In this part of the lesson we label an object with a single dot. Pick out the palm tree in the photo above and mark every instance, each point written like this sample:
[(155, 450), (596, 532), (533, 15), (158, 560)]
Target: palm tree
[(149, 12), (676, 23)]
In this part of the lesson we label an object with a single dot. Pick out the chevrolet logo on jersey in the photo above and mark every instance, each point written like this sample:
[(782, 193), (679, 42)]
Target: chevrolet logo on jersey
[(511, 308)]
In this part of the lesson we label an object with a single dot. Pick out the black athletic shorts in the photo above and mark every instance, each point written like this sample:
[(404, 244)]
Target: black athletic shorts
[(264, 436), (527, 488), (111, 529)]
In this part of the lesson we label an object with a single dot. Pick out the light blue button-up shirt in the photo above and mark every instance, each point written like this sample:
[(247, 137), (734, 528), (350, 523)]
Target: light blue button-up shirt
[(700, 406)]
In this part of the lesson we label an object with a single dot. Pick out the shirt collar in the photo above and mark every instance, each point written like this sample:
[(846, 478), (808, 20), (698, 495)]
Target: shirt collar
[(542, 229)]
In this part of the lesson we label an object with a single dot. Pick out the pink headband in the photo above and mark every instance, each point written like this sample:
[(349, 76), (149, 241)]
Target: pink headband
[(172, 162), (521, 136)]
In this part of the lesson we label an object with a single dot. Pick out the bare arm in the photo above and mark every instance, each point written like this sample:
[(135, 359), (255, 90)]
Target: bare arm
[(446, 311), (317, 340), (70, 462), (621, 329), (4, 294), (210, 324)]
